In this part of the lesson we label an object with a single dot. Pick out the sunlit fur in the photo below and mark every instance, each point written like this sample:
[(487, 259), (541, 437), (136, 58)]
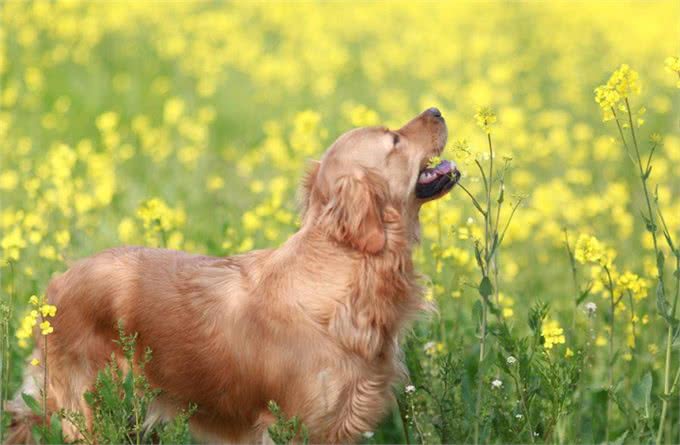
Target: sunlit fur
[(313, 324)]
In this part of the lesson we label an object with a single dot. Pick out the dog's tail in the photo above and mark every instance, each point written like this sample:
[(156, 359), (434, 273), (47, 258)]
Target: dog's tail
[(22, 418)]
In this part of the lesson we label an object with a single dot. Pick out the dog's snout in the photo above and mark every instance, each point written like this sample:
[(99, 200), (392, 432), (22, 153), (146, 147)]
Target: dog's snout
[(434, 111)]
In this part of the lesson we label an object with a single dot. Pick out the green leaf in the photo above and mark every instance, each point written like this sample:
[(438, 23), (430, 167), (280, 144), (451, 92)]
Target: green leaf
[(621, 438), (676, 343), (32, 403), (485, 287), (478, 256), (642, 392), (494, 246), (477, 311), (494, 309), (661, 303), (660, 260), (584, 294)]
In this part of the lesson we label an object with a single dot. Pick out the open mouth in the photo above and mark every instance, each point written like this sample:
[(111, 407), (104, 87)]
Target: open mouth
[(437, 180)]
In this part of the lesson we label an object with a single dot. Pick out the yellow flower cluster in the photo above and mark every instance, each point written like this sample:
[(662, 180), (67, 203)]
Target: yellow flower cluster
[(159, 222), (622, 84), (43, 311), (630, 282), (589, 249), (552, 334)]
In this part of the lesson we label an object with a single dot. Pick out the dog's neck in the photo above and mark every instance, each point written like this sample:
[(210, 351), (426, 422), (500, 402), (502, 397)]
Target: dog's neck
[(368, 298)]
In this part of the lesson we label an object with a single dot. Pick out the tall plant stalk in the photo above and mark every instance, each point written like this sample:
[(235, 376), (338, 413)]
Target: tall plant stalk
[(644, 169), (486, 251)]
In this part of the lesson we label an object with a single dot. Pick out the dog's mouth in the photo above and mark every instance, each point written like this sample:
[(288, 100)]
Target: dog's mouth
[(436, 181)]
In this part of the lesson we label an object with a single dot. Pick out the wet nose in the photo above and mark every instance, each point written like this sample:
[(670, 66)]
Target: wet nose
[(434, 111)]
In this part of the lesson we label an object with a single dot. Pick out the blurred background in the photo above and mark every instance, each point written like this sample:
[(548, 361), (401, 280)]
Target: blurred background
[(189, 125)]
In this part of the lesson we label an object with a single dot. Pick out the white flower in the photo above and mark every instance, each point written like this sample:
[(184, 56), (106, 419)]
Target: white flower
[(511, 360), (368, 434), (590, 308), (429, 346), (496, 383), (410, 389), (518, 416)]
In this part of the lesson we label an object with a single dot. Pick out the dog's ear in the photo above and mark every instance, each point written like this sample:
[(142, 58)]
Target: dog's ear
[(354, 211), (306, 189)]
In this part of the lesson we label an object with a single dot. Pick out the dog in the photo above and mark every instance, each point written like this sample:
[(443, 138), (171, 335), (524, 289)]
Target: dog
[(313, 325)]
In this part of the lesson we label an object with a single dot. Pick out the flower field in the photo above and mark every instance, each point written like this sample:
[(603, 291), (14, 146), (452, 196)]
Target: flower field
[(555, 265)]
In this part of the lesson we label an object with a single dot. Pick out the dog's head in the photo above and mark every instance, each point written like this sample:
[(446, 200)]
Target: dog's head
[(371, 176)]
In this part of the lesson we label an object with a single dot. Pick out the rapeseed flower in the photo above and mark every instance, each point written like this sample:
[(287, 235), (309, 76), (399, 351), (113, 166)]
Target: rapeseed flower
[(623, 83), (552, 334), (630, 282), (46, 328), (485, 118)]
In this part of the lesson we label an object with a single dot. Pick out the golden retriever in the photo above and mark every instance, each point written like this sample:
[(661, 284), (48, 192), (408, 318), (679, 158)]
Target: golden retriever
[(313, 325)]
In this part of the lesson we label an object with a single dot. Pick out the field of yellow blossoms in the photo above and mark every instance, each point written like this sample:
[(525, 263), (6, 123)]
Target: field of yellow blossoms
[(189, 125)]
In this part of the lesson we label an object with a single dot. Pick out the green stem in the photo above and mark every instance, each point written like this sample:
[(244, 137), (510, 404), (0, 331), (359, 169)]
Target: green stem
[(610, 355), (652, 230), (404, 422), (474, 200), (488, 182), (480, 377), (632, 318), (437, 267), (574, 277), (525, 407)]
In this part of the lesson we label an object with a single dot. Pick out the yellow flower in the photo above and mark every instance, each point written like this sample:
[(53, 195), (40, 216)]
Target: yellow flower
[(568, 353), (633, 283), (434, 348), (25, 330), (34, 300), (8, 180), (48, 310), (35, 362), (246, 245), (173, 109), (673, 65), (107, 122), (156, 216), (46, 328), (622, 84), (485, 117), (552, 334), (506, 303), (588, 249), (63, 237), (126, 230), (214, 182)]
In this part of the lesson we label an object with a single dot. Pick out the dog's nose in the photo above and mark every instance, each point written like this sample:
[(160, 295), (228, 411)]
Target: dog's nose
[(434, 111)]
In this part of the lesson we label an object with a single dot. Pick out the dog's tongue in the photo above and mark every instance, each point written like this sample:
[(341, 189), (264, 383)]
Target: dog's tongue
[(430, 174)]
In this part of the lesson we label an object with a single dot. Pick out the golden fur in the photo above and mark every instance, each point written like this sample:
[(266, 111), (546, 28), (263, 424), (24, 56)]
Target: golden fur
[(313, 324)]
